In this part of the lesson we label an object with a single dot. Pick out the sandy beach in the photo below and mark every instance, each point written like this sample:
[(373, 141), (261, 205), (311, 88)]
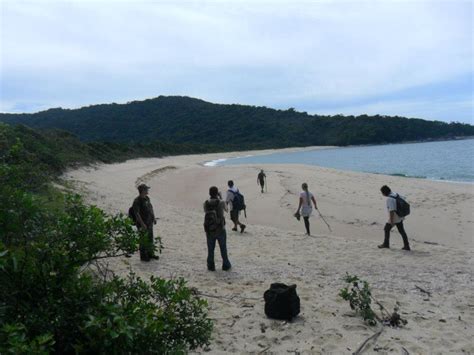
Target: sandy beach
[(275, 249)]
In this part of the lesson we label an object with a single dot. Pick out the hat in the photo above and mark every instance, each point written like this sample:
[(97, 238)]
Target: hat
[(143, 187)]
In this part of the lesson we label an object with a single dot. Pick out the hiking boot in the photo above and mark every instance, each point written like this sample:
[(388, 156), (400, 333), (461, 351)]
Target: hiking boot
[(382, 246), (155, 257), (406, 247), (226, 268), (234, 229), (211, 267), (242, 228)]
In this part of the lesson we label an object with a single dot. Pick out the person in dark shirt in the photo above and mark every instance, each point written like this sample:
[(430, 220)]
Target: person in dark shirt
[(145, 219), (261, 179), (214, 226)]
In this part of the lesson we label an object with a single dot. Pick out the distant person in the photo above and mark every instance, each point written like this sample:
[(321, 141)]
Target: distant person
[(235, 200), (305, 206), (261, 179), (393, 219), (145, 219), (214, 226)]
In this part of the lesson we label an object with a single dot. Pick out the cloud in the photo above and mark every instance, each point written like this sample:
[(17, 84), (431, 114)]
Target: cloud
[(269, 53)]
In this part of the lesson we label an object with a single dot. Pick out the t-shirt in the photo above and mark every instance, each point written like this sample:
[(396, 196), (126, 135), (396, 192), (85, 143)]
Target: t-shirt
[(392, 206), (142, 206), (304, 195), (230, 195)]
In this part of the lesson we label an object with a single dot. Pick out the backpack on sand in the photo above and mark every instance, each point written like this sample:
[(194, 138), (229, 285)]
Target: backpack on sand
[(281, 302), (403, 207), (212, 222), (238, 203)]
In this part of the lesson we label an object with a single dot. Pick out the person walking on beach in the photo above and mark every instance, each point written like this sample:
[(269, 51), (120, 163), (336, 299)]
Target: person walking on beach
[(393, 219), (261, 179), (145, 219), (214, 226), (305, 206), (232, 194)]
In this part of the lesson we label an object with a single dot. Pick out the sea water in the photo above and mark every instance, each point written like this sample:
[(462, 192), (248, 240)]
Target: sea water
[(446, 160)]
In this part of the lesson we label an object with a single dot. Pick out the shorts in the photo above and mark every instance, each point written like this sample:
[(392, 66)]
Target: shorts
[(306, 211), (234, 215)]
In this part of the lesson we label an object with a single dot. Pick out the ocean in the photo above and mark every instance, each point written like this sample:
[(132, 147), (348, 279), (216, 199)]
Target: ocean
[(446, 160)]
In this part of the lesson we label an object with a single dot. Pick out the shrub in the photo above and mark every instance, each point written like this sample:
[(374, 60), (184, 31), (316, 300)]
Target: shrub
[(58, 296)]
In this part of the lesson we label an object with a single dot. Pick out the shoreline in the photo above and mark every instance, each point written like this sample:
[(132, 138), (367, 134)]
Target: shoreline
[(223, 161)]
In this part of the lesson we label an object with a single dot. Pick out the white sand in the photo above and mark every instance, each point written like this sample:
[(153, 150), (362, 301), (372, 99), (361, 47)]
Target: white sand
[(274, 249)]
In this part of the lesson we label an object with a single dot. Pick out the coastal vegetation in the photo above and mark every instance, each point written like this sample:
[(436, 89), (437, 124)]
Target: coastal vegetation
[(184, 120), (57, 294)]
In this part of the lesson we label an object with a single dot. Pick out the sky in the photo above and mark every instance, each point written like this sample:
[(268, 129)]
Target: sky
[(387, 57)]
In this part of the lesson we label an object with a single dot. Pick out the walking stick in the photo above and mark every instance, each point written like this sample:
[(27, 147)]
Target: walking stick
[(320, 215), (266, 185)]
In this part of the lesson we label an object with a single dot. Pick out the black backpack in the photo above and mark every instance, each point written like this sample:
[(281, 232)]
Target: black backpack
[(281, 302), (403, 207), (212, 222), (238, 203), (131, 215)]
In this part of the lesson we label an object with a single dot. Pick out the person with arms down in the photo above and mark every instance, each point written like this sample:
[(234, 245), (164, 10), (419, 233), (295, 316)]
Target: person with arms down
[(235, 200), (396, 214), (214, 226), (304, 205), (261, 179), (145, 219)]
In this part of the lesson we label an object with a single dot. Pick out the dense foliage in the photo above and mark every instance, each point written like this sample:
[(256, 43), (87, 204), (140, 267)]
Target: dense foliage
[(185, 120), (57, 294), (52, 151)]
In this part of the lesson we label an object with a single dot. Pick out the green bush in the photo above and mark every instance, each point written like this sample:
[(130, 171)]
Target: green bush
[(57, 296)]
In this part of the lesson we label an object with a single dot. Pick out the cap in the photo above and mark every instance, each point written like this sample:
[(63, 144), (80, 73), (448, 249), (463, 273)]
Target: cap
[(143, 187)]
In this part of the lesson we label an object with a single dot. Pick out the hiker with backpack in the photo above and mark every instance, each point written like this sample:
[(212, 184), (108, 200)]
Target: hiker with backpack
[(304, 205), (398, 209), (236, 202), (261, 179), (214, 226), (143, 215)]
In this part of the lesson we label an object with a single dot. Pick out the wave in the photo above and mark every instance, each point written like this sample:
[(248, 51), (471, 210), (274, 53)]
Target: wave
[(409, 176), (215, 162)]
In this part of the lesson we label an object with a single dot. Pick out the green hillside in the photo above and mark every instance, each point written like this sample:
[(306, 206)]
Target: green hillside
[(175, 119)]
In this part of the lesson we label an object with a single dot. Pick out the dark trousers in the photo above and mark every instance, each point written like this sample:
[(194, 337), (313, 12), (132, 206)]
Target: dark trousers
[(146, 244), (388, 227), (211, 245), (306, 224)]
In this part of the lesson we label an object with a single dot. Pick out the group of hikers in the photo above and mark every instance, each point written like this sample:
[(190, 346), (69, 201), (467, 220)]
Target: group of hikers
[(214, 217)]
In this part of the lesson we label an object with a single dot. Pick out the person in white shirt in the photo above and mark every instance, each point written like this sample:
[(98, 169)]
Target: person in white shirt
[(305, 205), (393, 219), (234, 213)]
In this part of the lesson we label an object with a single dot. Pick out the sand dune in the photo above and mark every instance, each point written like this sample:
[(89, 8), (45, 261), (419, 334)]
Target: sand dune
[(274, 249)]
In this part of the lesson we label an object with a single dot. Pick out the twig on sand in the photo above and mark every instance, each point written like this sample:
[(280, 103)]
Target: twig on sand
[(372, 337), (423, 290), (405, 351), (261, 352)]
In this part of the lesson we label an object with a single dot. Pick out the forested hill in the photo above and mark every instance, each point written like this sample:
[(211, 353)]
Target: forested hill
[(178, 119)]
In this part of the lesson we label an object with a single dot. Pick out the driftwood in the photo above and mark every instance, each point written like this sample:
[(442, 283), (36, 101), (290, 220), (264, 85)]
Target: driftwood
[(373, 337)]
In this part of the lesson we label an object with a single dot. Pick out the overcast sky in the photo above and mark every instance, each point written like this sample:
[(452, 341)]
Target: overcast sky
[(409, 58)]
